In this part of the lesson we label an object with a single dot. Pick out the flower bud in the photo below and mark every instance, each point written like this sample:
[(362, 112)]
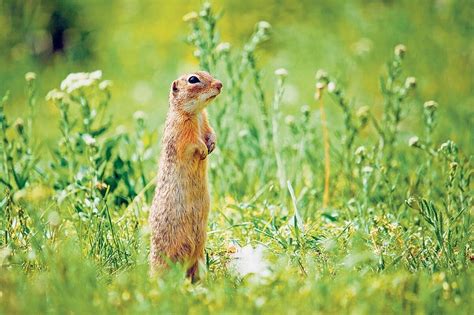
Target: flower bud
[(453, 166), (410, 83), (431, 105), (320, 85), (190, 17), (400, 50), (321, 75), (20, 126), (264, 26), (367, 170), (363, 112), (30, 76), (412, 202), (282, 72), (360, 151), (101, 186), (414, 141), (305, 109)]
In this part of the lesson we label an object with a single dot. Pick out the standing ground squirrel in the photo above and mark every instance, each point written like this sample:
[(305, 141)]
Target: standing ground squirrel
[(178, 217)]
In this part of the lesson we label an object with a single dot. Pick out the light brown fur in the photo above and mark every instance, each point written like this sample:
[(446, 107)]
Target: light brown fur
[(180, 208)]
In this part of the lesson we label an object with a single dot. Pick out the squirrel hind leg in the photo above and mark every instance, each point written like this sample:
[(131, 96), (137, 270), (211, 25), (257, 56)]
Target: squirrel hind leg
[(193, 272)]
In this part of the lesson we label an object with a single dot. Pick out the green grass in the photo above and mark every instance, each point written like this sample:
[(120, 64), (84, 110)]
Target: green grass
[(392, 235)]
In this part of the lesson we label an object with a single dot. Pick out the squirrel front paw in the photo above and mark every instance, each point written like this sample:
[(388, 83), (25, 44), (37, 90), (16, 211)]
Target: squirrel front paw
[(201, 150), (210, 140)]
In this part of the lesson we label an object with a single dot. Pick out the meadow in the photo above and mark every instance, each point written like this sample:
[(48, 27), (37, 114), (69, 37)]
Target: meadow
[(341, 180)]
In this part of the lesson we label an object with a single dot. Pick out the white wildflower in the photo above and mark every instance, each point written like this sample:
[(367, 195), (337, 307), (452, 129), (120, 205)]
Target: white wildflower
[(432, 105), (413, 141), (410, 83), (367, 169), (88, 139), (30, 76), (320, 86), (75, 81), (105, 85), (360, 150), (321, 75), (95, 75), (400, 50), (223, 48), (249, 260), (331, 87), (282, 72), (139, 115), (264, 26), (55, 95)]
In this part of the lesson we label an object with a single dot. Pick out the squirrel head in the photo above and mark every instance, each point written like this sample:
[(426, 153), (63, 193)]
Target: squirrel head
[(192, 92)]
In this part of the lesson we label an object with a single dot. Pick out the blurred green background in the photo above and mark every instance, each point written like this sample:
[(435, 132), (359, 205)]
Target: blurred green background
[(140, 46)]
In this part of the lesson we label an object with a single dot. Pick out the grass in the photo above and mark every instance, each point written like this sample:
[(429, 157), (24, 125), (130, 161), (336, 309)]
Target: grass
[(378, 222)]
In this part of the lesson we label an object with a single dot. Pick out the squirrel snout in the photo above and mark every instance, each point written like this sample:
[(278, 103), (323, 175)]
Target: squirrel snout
[(218, 85)]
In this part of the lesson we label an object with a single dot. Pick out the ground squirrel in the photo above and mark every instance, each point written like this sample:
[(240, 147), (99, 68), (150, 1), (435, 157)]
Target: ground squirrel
[(178, 217)]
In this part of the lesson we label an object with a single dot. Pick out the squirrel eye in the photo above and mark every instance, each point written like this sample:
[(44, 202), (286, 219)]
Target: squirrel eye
[(193, 79)]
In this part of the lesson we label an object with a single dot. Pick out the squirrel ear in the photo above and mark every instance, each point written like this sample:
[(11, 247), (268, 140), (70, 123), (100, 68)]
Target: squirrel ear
[(175, 86)]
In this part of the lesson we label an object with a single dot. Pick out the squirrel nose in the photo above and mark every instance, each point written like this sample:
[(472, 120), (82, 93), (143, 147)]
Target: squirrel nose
[(218, 85)]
